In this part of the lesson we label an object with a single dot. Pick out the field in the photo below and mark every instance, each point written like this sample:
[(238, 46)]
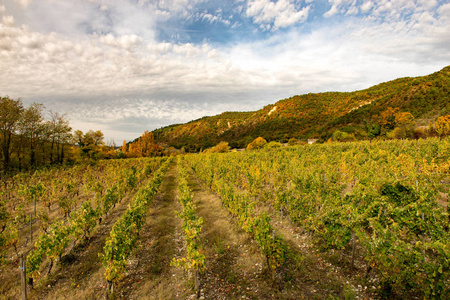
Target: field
[(362, 220)]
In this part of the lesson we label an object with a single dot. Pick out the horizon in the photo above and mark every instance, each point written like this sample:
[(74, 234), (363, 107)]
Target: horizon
[(124, 67)]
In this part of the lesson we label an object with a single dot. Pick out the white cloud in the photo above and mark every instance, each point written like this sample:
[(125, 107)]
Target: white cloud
[(127, 42), (444, 11), (49, 64), (282, 13), (429, 4), (171, 7), (391, 9), (160, 48), (353, 10), (24, 3), (8, 20), (348, 7), (213, 18), (108, 58), (333, 10), (366, 6)]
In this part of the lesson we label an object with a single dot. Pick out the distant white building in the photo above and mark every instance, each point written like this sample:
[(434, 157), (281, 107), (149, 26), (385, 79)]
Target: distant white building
[(312, 141)]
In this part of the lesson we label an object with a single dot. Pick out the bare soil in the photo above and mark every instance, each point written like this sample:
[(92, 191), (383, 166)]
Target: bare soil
[(79, 274), (150, 275), (237, 270), (235, 267)]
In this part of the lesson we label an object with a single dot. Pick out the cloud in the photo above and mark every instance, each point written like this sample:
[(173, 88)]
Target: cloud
[(214, 19), (24, 3), (383, 9), (127, 42), (8, 20), (51, 64), (337, 7), (444, 11), (108, 66), (366, 6), (275, 15), (172, 8)]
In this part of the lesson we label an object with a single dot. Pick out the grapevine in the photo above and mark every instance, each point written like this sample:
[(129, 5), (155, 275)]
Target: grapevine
[(195, 259)]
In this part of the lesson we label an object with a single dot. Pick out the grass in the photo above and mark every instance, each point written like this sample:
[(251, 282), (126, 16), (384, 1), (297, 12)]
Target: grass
[(218, 246)]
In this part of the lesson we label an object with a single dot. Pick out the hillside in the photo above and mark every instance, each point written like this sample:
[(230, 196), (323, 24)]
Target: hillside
[(316, 115)]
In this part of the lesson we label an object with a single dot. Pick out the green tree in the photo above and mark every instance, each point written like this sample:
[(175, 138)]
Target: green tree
[(373, 130)]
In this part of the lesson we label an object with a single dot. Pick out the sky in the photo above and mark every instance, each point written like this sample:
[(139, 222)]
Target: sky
[(126, 66)]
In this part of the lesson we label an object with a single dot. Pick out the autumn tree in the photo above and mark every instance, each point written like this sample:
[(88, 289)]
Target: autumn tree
[(31, 128), (147, 141), (97, 137), (89, 142), (258, 143), (221, 147), (272, 144), (145, 146), (387, 118), (396, 124), (442, 126), (404, 125), (292, 142), (58, 131), (27, 139), (10, 114)]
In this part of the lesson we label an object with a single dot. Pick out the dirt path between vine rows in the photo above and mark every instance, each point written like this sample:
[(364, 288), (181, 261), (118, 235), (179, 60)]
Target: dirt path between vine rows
[(235, 267), (150, 275)]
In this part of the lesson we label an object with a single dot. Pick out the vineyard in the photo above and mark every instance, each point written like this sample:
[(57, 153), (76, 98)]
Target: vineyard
[(361, 220)]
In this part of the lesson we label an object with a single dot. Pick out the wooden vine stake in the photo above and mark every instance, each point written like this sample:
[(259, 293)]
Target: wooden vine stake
[(110, 283), (23, 276), (353, 250), (277, 271), (31, 227), (109, 289), (197, 283), (197, 276), (448, 207), (423, 235)]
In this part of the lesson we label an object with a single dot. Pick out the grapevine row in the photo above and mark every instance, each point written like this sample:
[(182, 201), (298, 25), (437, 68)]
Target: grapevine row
[(125, 232), (195, 259), (382, 195), (53, 241), (67, 188), (250, 217)]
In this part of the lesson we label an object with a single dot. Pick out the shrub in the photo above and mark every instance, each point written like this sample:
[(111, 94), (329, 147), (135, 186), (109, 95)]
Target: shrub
[(292, 142), (258, 143), (219, 148), (272, 144)]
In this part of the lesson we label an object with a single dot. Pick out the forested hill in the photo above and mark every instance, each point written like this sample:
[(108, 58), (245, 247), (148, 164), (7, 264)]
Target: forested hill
[(318, 115)]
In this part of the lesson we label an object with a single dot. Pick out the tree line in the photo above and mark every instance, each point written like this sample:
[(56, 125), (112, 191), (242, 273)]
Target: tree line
[(28, 139)]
